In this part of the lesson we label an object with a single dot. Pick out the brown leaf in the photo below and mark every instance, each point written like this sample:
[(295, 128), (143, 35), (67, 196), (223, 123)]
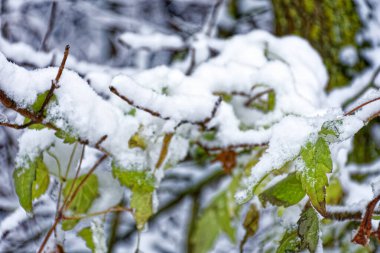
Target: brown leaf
[(228, 160)]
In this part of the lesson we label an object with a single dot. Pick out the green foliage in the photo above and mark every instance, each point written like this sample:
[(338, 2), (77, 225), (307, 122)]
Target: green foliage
[(334, 192), (317, 162), (65, 136), (290, 242), (83, 199), (216, 218), (136, 141), (308, 229), (31, 182), (285, 193), (42, 180), (142, 185), (86, 235)]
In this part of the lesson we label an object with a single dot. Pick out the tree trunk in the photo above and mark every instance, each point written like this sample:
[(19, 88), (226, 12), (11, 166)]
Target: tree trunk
[(329, 26)]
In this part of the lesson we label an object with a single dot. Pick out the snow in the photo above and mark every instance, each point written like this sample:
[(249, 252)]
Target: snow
[(151, 41)]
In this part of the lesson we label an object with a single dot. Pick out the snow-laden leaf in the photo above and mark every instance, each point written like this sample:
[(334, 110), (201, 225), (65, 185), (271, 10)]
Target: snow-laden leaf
[(142, 186), (290, 242), (216, 218), (308, 229), (285, 193), (330, 130), (83, 200), (86, 235), (31, 182), (317, 163)]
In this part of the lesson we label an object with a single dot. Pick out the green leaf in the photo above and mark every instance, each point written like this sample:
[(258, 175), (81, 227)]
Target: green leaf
[(42, 180), (136, 141), (318, 163), (83, 199), (206, 233), (285, 193), (142, 185), (209, 135), (334, 192), (34, 126), (215, 219), (65, 136), (308, 229), (23, 179), (290, 242), (31, 182), (86, 235)]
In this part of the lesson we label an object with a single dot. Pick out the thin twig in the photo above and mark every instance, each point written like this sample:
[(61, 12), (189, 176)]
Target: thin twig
[(54, 84), (71, 198), (157, 114), (258, 95), (53, 12), (109, 210), (351, 112), (213, 16)]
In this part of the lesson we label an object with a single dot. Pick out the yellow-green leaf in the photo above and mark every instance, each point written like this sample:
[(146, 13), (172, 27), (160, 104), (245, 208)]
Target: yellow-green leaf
[(86, 235), (31, 182), (83, 199), (142, 186), (317, 163), (285, 193)]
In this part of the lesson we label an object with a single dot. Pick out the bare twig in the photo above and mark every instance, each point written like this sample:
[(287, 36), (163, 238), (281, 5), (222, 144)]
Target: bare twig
[(53, 12), (54, 84), (157, 114), (109, 210), (258, 95), (212, 19), (351, 112), (80, 185)]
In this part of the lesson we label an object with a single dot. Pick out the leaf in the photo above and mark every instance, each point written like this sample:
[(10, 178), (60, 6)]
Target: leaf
[(216, 218), (206, 233), (65, 136), (290, 242), (31, 182), (285, 193), (86, 235), (42, 181), (142, 186), (330, 130), (308, 229), (33, 126), (250, 224), (317, 161), (83, 199), (136, 141), (23, 179), (334, 192)]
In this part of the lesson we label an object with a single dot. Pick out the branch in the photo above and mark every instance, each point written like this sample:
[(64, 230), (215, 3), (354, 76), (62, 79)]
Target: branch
[(54, 84), (109, 210), (157, 114), (53, 12), (362, 236), (351, 112)]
